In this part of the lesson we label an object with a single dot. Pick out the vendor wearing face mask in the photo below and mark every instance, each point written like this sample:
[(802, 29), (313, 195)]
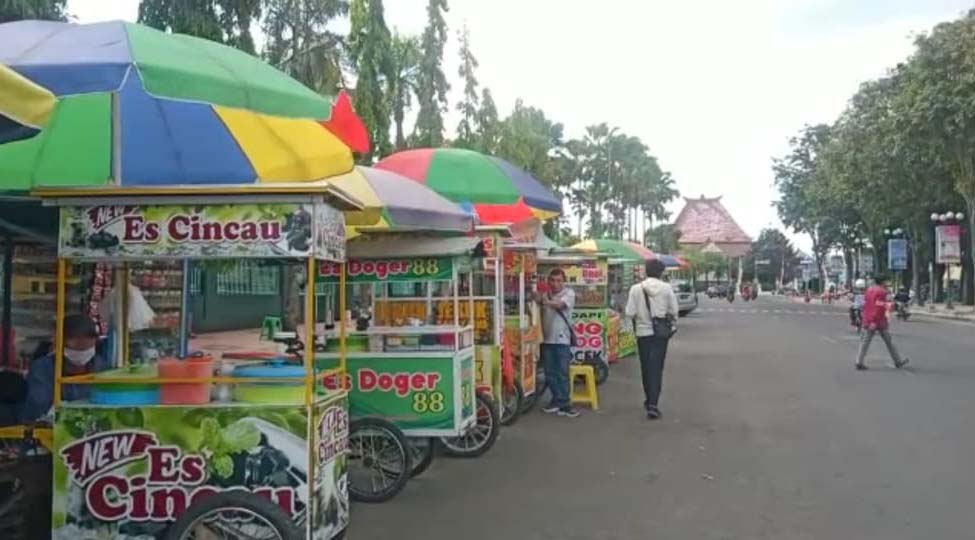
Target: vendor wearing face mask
[(80, 338)]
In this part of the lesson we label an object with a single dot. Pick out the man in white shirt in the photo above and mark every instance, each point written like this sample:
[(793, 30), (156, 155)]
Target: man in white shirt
[(651, 299)]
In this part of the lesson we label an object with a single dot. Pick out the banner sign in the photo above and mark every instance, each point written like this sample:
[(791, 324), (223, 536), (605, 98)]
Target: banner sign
[(428, 395), (627, 340), (897, 254), (202, 231), (613, 338), (589, 326), (948, 244), (390, 270), (121, 472)]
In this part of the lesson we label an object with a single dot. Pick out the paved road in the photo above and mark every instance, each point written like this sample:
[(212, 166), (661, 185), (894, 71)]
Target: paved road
[(768, 433)]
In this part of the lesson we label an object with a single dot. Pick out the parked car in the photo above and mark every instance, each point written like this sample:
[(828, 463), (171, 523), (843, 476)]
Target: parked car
[(717, 291), (686, 297)]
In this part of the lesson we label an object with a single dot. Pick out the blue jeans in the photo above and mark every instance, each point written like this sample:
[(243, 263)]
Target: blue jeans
[(555, 361)]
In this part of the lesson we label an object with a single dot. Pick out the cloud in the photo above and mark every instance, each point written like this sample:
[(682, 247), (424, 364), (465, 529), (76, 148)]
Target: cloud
[(715, 88)]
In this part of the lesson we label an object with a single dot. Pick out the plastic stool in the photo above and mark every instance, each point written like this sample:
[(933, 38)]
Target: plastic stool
[(270, 327), (588, 394)]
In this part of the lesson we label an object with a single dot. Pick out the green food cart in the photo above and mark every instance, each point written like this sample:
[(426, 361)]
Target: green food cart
[(410, 357)]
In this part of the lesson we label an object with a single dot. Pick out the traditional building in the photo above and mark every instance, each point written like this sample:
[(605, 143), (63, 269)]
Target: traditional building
[(707, 225)]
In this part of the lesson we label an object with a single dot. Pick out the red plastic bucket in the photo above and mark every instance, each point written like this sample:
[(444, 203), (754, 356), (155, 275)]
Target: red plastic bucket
[(185, 393)]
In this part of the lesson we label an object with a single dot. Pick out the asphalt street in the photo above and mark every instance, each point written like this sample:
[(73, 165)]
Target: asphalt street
[(768, 432)]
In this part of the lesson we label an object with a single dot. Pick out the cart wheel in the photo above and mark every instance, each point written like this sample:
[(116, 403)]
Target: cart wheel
[(602, 371), (511, 399), (422, 454), (234, 514), (481, 436), (379, 460)]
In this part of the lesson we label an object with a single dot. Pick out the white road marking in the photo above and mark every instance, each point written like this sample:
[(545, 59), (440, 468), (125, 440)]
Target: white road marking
[(830, 340)]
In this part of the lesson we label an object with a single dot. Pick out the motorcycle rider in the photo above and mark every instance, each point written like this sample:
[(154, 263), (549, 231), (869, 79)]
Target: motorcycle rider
[(856, 309), (901, 301)]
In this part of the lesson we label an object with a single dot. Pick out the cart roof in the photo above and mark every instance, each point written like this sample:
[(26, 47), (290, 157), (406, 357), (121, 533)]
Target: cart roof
[(182, 194), (387, 246)]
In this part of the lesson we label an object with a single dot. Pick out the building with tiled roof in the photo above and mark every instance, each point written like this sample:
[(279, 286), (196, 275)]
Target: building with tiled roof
[(706, 224)]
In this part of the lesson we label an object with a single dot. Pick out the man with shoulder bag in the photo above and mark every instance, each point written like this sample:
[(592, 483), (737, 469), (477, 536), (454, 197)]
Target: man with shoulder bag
[(653, 307)]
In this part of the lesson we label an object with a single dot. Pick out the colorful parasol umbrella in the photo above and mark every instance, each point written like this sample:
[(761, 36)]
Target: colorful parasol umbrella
[(498, 191), (671, 261), (616, 248), (121, 104), (392, 202)]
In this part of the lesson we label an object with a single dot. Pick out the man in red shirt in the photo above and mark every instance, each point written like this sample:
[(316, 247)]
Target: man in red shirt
[(875, 322)]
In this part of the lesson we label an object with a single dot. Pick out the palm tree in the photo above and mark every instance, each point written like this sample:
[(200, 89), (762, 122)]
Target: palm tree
[(300, 43), (402, 86)]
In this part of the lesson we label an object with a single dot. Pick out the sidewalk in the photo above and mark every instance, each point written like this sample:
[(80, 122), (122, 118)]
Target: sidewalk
[(933, 311)]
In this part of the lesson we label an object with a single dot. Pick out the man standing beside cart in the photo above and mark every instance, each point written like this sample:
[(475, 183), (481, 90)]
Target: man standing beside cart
[(557, 335)]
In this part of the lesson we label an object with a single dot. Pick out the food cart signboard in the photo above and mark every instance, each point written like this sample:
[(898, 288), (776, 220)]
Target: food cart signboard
[(329, 508), (390, 270), (589, 326), (200, 231), (131, 472), (627, 339), (422, 395), (613, 337)]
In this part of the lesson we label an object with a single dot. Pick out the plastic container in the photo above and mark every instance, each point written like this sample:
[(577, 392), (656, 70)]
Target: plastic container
[(126, 394), (185, 393), (283, 393)]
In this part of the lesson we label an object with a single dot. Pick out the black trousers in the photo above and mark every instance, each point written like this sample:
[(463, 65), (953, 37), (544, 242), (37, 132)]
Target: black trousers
[(653, 351)]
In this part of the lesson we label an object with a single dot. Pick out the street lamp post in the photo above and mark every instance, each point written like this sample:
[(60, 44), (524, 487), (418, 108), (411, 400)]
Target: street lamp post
[(946, 219)]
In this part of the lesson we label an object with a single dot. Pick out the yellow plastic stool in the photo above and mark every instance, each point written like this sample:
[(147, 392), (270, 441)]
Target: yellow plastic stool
[(588, 393)]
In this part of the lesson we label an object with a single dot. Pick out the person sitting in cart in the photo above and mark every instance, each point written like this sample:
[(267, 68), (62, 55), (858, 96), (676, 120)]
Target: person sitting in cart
[(557, 306), (80, 340)]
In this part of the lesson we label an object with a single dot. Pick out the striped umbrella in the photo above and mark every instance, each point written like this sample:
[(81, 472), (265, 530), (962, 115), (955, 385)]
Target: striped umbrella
[(617, 248), (392, 202), (672, 261), (121, 104), (499, 192)]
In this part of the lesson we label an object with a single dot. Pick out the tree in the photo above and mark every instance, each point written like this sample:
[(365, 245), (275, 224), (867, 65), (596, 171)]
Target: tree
[(223, 21), (300, 43), (940, 105), (402, 86), (772, 259), (432, 86), (530, 140), (19, 10), (487, 124), (806, 203), (663, 238), (466, 128), (370, 48)]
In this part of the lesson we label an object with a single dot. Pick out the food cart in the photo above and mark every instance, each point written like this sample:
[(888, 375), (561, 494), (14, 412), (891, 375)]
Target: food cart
[(623, 274), (586, 274), (411, 355), (163, 447), (507, 350)]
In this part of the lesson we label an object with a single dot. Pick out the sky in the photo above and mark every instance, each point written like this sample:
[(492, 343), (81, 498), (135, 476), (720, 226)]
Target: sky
[(714, 87)]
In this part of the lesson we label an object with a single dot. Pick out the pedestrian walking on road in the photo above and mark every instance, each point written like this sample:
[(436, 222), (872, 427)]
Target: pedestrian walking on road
[(653, 307), (875, 321), (557, 341)]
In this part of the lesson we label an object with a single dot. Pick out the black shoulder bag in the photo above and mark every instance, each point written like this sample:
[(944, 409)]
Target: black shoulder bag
[(664, 327)]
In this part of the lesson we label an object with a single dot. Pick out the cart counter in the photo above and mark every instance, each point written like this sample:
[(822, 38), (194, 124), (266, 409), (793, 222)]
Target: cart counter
[(421, 379)]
